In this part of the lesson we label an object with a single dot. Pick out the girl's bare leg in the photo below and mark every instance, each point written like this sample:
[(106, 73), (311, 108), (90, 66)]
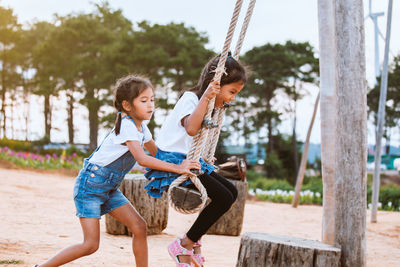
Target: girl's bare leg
[(91, 238), (128, 215)]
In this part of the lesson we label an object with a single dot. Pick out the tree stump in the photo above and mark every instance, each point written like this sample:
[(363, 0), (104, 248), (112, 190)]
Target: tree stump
[(232, 221), (153, 210), (258, 249)]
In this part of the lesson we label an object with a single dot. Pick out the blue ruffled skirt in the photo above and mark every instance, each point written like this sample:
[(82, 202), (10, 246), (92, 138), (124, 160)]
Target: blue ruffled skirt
[(160, 180)]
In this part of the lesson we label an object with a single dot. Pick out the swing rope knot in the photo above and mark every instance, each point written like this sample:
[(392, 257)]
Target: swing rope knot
[(209, 124)]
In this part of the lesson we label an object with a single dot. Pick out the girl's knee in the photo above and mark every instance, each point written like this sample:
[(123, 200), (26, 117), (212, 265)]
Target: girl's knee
[(234, 192), (225, 201), (90, 247), (138, 228)]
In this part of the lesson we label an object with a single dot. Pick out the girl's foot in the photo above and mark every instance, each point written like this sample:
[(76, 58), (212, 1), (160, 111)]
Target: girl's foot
[(182, 256), (197, 257)]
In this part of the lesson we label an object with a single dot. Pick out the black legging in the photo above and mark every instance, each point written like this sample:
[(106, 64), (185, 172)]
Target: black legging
[(222, 193)]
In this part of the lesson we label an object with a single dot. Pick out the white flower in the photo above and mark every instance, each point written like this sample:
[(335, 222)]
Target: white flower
[(379, 205), (369, 205), (317, 194), (390, 204)]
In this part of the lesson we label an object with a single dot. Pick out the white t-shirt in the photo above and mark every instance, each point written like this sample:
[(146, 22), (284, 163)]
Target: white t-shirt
[(173, 136), (112, 147)]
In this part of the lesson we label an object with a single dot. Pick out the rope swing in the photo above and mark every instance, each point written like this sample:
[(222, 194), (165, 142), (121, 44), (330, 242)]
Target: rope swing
[(205, 142)]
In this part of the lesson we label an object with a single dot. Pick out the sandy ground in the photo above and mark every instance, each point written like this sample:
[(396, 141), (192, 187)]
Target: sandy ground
[(37, 218)]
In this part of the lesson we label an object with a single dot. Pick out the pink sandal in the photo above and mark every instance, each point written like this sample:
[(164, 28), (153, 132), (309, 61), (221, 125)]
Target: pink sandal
[(198, 258), (175, 249)]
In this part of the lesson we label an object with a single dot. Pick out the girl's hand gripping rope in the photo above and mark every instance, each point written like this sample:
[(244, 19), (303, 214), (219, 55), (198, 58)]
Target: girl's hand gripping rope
[(187, 165)]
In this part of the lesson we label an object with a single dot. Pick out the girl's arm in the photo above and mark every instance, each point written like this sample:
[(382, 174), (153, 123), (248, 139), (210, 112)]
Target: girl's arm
[(151, 147), (192, 122), (153, 163)]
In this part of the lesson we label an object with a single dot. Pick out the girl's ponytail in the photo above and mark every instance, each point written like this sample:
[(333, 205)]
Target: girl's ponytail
[(118, 123)]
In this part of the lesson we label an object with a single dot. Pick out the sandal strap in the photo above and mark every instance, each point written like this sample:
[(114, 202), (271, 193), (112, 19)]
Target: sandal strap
[(198, 243), (177, 249), (199, 259)]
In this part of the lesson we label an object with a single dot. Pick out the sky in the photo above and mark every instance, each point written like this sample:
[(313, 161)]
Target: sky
[(272, 22)]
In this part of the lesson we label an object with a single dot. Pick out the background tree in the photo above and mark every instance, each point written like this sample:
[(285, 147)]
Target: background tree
[(304, 68), (9, 35), (392, 109), (270, 69), (172, 55), (45, 78), (96, 40), (277, 69)]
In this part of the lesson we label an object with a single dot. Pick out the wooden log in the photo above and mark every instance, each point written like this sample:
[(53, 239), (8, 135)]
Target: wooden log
[(153, 210), (232, 221), (258, 249)]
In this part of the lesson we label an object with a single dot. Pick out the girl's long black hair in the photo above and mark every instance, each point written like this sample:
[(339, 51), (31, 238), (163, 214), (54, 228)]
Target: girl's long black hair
[(234, 72)]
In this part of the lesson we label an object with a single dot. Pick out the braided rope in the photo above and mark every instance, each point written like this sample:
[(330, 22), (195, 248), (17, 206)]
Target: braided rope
[(197, 147), (212, 145), (220, 115), (243, 31)]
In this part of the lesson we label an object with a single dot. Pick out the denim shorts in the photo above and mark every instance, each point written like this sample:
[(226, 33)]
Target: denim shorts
[(96, 191)]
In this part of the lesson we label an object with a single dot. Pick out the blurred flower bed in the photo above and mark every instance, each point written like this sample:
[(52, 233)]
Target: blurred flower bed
[(41, 155), (37, 161)]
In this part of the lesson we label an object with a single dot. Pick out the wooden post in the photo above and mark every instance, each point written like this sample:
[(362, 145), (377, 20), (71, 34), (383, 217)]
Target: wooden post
[(261, 250), (153, 210), (232, 221), (351, 134), (381, 119), (328, 81), (304, 158), (343, 127)]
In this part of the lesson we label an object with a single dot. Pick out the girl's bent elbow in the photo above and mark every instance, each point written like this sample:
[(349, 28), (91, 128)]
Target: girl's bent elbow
[(191, 132), (142, 162)]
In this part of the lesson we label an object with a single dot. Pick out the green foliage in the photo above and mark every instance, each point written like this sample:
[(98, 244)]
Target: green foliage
[(16, 145), (275, 68), (392, 107), (314, 184), (273, 165), (389, 196), (41, 142), (276, 190), (279, 196), (10, 77), (11, 261), (271, 184), (279, 163), (252, 175), (37, 147)]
